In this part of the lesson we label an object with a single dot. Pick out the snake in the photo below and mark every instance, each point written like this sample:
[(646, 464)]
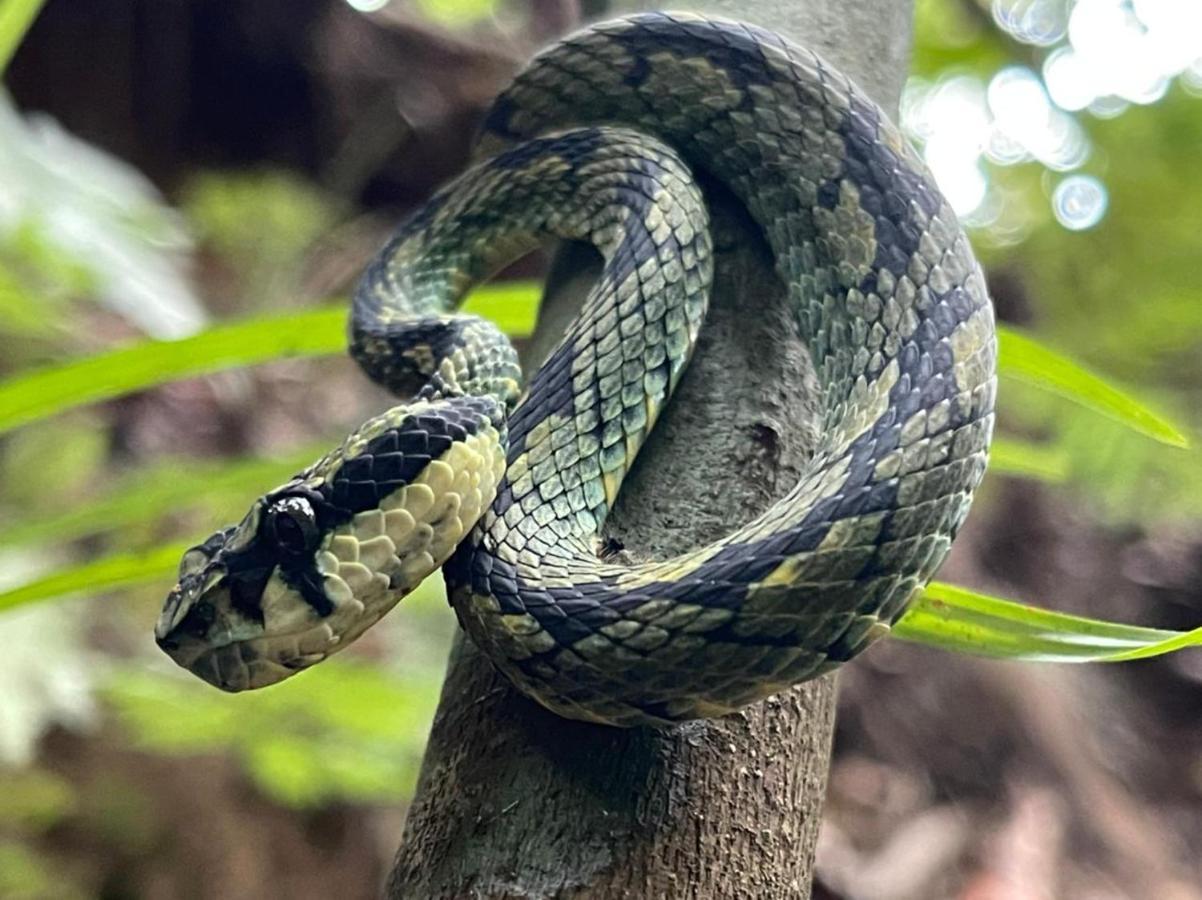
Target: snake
[(605, 138)]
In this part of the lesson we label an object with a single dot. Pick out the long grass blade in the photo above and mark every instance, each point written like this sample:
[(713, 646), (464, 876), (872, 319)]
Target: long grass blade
[(122, 570), (1023, 358), (320, 331), (955, 618), (15, 18), (53, 389)]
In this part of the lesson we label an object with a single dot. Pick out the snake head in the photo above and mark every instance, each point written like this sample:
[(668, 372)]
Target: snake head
[(250, 606), (316, 562)]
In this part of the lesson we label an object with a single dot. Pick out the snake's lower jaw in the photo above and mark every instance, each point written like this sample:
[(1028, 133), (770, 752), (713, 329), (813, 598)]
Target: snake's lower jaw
[(202, 631), (255, 662), (221, 647), (232, 669)]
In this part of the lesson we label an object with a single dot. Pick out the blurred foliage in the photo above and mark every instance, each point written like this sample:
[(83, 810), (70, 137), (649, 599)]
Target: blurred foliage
[(157, 491), (457, 13), (87, 227), (1125, 478), (259, 224), (32, 800), (24, 875), (348, 732), (75, 453), (15, 18), (36, 282)]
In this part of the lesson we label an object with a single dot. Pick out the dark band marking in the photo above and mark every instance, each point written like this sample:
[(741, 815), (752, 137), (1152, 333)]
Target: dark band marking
[(887, 185), (395, 458), (736, 51)]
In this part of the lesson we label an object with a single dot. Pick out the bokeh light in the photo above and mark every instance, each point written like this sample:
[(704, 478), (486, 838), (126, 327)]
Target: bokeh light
[(1102, 57), (1079, 202), (1035, 22)]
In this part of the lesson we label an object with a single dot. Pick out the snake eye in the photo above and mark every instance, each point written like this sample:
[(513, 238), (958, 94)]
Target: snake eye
[(292, 525)]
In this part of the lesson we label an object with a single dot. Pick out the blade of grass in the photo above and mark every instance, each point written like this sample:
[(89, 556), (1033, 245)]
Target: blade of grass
[(1025, 359), (512, 306), (159, 491), (954, 618), (51, 390), (319, 331), (1008, 456), (15, 18), (108, 573)]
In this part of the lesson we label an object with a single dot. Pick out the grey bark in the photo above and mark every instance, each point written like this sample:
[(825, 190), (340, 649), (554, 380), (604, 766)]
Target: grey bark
[(515, 802)]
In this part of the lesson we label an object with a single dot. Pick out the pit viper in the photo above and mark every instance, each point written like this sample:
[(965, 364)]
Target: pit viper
[(598, 140)]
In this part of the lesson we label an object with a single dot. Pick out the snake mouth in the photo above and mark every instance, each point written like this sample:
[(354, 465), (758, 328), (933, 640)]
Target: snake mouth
[(240, 664), (231, 653), (232, 669)]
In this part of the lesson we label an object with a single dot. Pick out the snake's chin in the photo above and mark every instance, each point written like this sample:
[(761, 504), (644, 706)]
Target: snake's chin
[(202, 632), (248, 664), (226, 668)]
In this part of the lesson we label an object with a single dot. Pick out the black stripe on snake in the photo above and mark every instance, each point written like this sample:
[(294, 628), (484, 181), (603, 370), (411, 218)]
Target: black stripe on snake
[(597, 140)]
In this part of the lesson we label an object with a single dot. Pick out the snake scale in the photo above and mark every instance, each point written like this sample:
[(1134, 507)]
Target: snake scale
[(596, 140)]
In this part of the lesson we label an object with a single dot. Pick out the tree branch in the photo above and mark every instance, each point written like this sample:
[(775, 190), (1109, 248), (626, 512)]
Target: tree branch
[(515, 802)]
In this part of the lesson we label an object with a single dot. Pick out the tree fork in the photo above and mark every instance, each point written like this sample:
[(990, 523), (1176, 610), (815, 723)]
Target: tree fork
[(514, 802)]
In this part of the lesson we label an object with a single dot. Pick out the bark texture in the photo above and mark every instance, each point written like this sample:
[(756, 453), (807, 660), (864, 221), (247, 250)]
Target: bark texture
[(514, 802)]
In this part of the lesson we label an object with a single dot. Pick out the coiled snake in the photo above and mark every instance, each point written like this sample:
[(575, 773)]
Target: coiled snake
[(511, 495)]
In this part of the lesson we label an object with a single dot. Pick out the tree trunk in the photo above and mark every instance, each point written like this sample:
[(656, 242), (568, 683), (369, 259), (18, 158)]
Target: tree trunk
[(515, 802)]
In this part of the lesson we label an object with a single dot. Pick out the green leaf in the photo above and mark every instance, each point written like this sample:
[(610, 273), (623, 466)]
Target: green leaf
[(1008, 456), (158, 491), (45, 392), (15, 18), (1023, 358), (120, 570), (320, 331), (954, 618), (344, 730), (512, 305)]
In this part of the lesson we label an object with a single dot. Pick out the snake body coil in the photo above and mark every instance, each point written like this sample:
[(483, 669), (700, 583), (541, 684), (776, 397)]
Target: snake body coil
[(889, 301)]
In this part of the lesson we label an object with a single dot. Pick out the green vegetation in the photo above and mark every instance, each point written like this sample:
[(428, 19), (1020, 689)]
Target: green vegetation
[(355, 735), (15, 18)]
